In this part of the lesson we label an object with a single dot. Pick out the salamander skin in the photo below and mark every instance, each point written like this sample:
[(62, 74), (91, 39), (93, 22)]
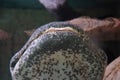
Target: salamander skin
[(58, 51)]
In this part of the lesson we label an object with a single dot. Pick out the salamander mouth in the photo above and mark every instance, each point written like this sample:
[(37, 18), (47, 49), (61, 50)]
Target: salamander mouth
[(67, 29), (16, 58)]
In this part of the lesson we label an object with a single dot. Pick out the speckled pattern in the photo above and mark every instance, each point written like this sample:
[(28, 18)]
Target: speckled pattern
[(58, 51)]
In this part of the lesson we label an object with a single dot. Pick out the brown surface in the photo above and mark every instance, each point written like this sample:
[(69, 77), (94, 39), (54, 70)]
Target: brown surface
[(29, 32), (102, 30), (4, 35), (113, 70)]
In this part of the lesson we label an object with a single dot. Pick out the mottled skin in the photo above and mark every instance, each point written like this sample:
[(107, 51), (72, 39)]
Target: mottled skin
[(58, 51)]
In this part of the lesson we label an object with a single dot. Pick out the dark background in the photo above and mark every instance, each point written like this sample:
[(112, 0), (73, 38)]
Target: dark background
[(34, 4)]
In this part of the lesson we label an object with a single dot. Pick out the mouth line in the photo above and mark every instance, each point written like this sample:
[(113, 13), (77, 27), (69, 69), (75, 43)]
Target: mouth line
[(67, 29)]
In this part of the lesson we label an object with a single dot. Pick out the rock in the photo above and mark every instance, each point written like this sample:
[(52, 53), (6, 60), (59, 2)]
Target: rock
[(29, 32), (102, 30), (4, 35), (113, 70)]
